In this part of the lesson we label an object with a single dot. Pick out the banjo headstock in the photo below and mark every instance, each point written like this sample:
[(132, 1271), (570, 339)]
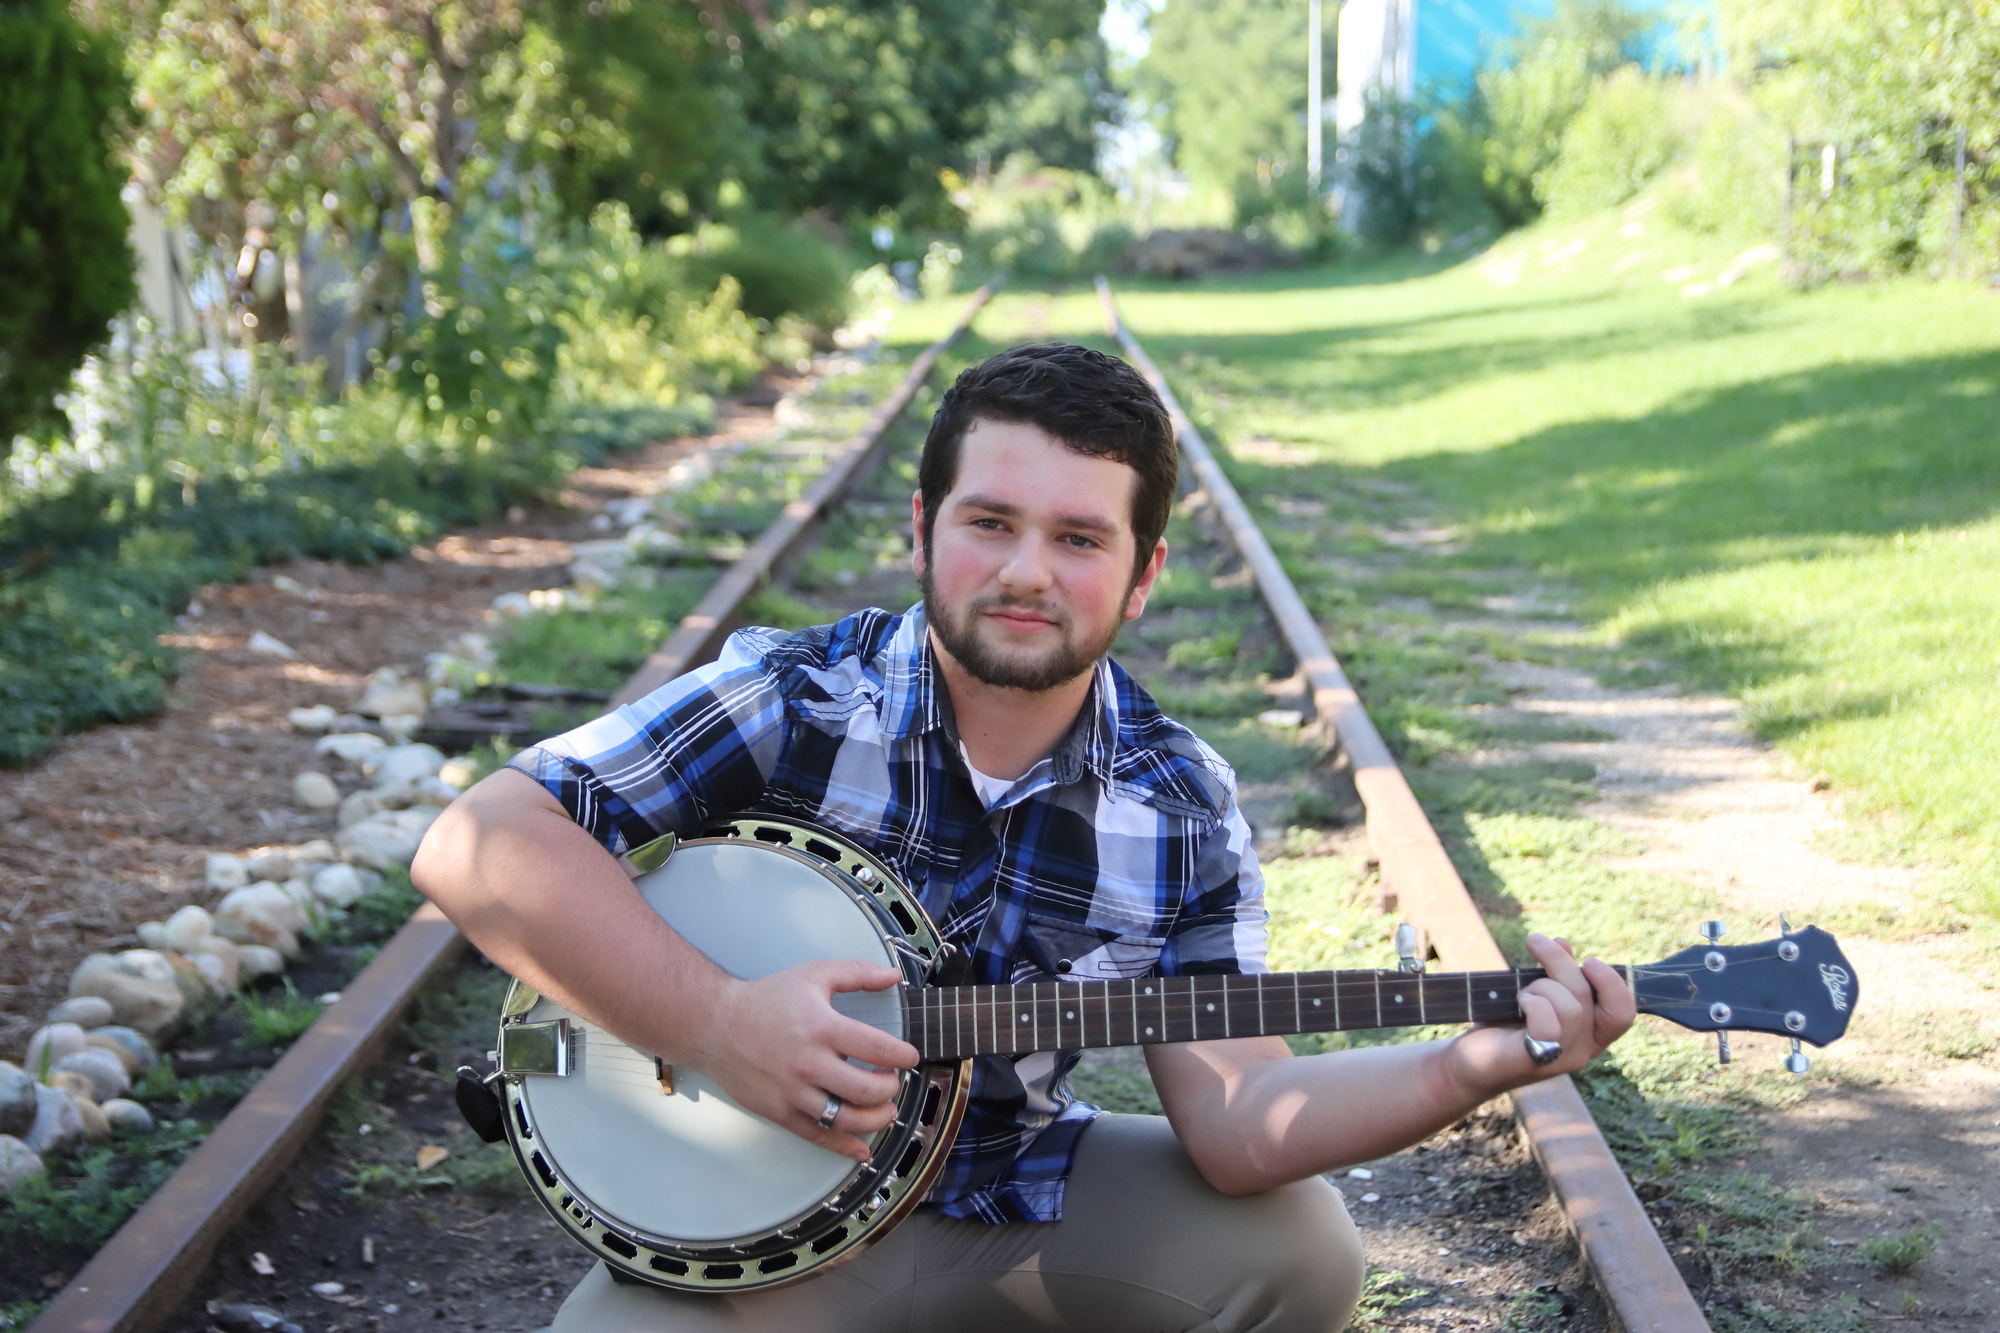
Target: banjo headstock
[(1798, 985)]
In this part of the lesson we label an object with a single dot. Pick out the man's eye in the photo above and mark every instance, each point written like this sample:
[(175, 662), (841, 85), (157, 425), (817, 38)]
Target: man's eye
[(1080, 542)]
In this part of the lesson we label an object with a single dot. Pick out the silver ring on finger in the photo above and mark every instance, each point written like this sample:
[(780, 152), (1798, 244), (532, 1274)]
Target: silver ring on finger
[(826, 1117), (1542, 1052)]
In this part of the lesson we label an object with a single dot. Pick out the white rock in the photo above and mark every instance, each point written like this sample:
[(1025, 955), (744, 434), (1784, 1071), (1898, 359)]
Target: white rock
[(153, 934), (260, 642), (58, 1128), (512, 604), (17, 1162), (258, 960), (135, 1044), (402, 726), (1287, 719), (351, 746), (444, 694), (50, 1045), (188, 926), (213, 972), (17, 1099), (148, 964), (151, 1007), (99, 1042), (255, 925), (267, 896), (86, 1012), (286, 583), (105, 1071), (319, 849), (349, 722), (338, 885), (127, 1116), (96, 1128), (313, 790), (225, 872), (315, 719), (403, 763), (387, 841), (459, 773), (389, 695), (226, 960), (433, 791), (362, 805), (269, 863)]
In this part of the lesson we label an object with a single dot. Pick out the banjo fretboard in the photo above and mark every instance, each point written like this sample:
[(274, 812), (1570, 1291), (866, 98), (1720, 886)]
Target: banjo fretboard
[(954, 1022)]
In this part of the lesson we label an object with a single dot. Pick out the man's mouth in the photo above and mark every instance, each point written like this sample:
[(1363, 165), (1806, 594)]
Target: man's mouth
[(1020, 621)]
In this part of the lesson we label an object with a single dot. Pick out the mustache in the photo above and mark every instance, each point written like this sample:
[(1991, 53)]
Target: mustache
[(1001, 602)]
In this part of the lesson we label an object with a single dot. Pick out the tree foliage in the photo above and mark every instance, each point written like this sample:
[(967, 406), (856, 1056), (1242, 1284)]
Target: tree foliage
[(65, 261), (1227, 80)]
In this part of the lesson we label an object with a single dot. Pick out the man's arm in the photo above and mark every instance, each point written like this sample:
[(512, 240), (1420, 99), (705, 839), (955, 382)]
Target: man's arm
[(1253, 1117), (540, 897)]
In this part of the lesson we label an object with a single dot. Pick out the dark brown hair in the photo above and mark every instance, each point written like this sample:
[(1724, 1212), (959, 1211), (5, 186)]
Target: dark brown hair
[(1095, 404)]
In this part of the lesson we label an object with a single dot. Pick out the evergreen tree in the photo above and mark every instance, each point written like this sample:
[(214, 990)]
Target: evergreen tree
[(65, 254)]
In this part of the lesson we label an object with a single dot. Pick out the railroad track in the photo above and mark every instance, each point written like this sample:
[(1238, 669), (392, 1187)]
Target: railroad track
[(140, 1277)]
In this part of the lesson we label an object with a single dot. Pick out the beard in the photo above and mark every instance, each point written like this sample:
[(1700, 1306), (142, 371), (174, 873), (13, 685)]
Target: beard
[(1013, 669)]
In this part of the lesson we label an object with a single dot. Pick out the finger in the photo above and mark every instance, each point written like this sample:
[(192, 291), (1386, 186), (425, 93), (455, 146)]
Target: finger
[(851, 1083), (1558, 963), (844, 1137), (838, 974), (1614, 997), (850, 1037), (1567, 947), (1571, 1013), (1538, 1015)]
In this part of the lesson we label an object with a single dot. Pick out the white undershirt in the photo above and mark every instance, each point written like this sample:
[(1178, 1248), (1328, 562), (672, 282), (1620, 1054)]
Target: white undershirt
[(990, 789)]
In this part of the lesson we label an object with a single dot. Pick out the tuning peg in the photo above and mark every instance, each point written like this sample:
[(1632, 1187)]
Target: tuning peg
[(1722, 1052), (1784, 923), (1406, 949), (1796, 1062), (1713, 931)]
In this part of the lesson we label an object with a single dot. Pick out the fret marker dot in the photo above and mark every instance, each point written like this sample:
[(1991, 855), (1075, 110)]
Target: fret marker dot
[(1396, 999), (1211, 1008), (1068, 1014), (1316, 1004), (1149, 991), (1024, 1018), (1493, 995), (1149, 1032)]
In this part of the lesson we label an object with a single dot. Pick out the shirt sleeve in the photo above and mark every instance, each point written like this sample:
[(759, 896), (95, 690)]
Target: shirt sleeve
[(1223, 925), (702, 745)]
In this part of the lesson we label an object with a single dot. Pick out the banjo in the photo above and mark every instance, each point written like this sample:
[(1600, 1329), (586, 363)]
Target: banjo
[(658, 1173)]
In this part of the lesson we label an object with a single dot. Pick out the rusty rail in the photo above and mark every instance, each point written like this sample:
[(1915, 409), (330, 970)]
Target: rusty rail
[(135, 1282), (1626, 1256)]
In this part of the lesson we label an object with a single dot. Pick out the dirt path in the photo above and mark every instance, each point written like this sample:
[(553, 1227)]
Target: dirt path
[(113, 828), (1896, 1133)]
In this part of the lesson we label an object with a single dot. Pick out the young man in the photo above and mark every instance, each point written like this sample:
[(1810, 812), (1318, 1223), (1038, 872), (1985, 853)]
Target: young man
[(1054, 823)]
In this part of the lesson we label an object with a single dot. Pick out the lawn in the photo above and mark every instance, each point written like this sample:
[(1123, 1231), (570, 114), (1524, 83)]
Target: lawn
[(1790, 496)]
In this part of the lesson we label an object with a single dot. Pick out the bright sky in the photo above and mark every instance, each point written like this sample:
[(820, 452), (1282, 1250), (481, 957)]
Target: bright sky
[(1124, 28)]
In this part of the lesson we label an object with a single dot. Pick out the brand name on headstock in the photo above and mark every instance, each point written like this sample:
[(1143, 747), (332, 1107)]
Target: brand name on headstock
[(1836, 981)]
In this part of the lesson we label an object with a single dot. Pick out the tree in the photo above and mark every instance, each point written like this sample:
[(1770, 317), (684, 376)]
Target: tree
[(1227, 79), (65, 255)]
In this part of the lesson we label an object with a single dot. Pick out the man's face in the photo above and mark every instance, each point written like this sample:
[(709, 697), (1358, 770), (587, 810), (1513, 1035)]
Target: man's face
[(1029, 573)]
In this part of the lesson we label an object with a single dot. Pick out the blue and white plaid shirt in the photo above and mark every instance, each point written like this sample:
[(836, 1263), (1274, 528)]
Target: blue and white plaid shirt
[(1121, 854)]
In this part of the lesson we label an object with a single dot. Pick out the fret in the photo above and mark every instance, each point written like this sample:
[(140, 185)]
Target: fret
[(1262, 1027), (1423, 1011), (1295, 1004), (1378, 1000), (1468, 997)]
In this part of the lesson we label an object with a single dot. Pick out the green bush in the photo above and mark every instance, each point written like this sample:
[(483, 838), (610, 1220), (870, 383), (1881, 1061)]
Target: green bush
[(1042, 222), (1624, 135), (782, 269), (1736, 182)]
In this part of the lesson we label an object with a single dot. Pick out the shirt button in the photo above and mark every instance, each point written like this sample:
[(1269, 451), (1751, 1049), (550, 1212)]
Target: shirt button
[(1063, 965)]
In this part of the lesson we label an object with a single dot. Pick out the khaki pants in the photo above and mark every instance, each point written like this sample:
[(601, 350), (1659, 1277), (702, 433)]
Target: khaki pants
[(1145, 1246)]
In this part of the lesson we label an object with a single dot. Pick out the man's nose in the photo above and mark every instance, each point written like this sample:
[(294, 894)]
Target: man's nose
[(1028, 568)]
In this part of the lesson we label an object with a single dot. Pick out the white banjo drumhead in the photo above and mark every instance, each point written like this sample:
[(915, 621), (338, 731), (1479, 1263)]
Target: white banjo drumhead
[(695, 1166)]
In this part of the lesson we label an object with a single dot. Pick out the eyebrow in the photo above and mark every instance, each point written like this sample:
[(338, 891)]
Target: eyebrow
[(1082, 522)]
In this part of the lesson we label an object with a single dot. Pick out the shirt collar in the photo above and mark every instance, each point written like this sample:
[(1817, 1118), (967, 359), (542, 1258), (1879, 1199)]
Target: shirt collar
[(915, 703)]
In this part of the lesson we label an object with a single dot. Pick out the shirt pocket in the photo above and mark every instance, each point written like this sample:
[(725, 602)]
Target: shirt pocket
[(1076, 951)]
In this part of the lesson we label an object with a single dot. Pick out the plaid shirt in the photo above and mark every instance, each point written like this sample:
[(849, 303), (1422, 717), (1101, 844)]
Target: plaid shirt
[(1121, 854)]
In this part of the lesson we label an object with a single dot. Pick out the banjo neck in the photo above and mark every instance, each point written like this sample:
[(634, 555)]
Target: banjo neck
[(956, 1022)]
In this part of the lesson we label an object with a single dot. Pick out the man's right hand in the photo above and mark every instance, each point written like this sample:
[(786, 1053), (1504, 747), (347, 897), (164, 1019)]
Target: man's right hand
[(778, 1046)]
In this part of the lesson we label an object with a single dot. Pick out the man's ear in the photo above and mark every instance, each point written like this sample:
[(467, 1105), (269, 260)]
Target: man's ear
[(917, 532), (1135, 601)]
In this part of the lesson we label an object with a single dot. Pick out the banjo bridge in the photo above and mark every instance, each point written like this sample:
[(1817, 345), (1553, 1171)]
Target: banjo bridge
[(665, 1073)]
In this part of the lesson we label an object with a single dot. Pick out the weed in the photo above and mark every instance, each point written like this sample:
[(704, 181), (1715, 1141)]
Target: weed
[(77, 1204), (280, 1019), (1207, 653), (1755, 1317), (1528, 1311), (1898, 1253), (21, 1313), (1383, 1292), (378, 915)]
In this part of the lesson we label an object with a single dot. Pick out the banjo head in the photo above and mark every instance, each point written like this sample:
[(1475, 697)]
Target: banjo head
[(686, 1189)]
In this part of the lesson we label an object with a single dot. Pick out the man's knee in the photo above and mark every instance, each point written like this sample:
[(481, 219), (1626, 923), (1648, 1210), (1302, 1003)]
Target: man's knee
[(1301, 1268)]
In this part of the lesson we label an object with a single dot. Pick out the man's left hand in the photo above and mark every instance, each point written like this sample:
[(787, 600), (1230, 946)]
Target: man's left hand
[(1584, 1006)]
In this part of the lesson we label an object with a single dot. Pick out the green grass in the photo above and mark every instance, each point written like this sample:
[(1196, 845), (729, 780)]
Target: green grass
[(1788, 496), (1898, 1253), (279, 1017)]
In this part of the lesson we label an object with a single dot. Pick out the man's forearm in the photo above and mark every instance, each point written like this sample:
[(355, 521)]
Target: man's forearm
[(1253, 1117), (543, 900)]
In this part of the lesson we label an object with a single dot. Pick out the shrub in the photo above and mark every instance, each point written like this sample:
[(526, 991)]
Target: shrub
[(1899, 1253), (781, 268), (1623, 136)]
